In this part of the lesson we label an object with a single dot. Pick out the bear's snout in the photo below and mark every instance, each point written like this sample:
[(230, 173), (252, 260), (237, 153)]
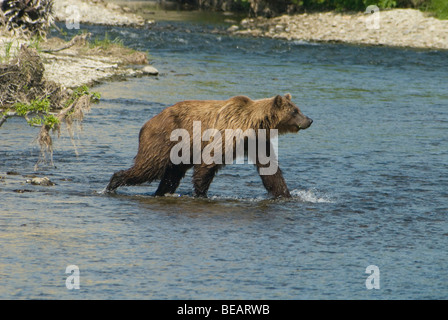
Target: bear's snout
[(307, 123)]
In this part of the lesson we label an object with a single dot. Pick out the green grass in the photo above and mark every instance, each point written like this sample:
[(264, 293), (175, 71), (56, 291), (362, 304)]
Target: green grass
[(8, 48), (439, 8), (106, 43), (35, 43)]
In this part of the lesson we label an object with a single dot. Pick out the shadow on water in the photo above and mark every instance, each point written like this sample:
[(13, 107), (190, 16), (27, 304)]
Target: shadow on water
[(175, 12), (221, 206)]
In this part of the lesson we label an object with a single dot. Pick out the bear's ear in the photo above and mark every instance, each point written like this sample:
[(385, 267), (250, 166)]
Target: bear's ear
[(278, 101), (288, 96)]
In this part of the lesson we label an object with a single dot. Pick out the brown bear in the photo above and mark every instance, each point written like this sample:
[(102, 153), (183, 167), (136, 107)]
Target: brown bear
[(154, 160)]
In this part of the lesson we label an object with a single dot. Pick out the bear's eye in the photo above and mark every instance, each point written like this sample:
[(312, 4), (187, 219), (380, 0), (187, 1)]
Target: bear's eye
[(295, 111)]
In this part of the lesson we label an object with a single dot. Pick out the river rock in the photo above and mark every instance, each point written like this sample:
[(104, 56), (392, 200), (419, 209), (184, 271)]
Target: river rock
[(40, 181), (95, 12), (149, 70), (113, 6), (233, 28)]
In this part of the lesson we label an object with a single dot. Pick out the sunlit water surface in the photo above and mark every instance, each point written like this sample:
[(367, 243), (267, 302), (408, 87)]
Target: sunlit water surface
[(369, 181)]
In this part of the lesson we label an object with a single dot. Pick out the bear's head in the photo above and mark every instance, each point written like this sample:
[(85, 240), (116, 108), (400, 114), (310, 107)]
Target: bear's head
[(291, 119)]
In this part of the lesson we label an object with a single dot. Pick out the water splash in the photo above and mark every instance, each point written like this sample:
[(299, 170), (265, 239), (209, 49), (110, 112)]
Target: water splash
[(306, 43), (312, 196), (101, 192)]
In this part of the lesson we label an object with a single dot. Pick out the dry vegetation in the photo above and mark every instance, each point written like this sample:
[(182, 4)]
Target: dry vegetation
[(46, 81)]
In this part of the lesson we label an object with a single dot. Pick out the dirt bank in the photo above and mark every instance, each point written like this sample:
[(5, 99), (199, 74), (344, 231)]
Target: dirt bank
[(398, 27)]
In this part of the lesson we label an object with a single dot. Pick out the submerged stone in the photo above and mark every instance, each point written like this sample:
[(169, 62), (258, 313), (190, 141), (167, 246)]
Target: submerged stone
[(40, 181)]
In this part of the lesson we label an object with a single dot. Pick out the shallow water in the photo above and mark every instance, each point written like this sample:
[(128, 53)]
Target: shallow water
[(368, 179)]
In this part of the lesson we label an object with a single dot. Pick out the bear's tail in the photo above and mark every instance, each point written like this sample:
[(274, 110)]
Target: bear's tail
[(123, 178)]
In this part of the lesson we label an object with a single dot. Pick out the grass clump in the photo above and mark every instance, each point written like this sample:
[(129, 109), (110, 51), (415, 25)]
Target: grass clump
[(439, 8), (7, 53), (106, 43)]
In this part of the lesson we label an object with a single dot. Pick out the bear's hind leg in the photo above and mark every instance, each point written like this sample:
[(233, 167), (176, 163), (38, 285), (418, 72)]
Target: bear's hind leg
[(124, 178), (202, 178), (171, 179), (117, 179)]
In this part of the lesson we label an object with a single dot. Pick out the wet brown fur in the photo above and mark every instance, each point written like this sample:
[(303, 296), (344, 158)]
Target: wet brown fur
[(153, 158)]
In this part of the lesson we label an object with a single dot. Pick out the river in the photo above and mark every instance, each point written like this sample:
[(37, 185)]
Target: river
[(368, 178)]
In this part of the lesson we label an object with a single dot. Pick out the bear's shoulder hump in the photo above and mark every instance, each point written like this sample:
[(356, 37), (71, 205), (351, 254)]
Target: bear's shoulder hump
[(241, 100)]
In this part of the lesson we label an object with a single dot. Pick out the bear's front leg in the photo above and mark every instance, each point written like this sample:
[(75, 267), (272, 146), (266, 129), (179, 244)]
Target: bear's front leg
[(202, 178), (274, 183)]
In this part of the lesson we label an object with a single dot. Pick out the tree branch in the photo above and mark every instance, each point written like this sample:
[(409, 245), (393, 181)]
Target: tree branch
[(78, 39), (3, 119)]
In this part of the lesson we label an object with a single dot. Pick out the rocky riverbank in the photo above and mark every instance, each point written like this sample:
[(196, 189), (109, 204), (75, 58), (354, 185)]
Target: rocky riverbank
[(81, 64), (78, 63), (96, 12), (46, 80), (398, 28), (85, 65)]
